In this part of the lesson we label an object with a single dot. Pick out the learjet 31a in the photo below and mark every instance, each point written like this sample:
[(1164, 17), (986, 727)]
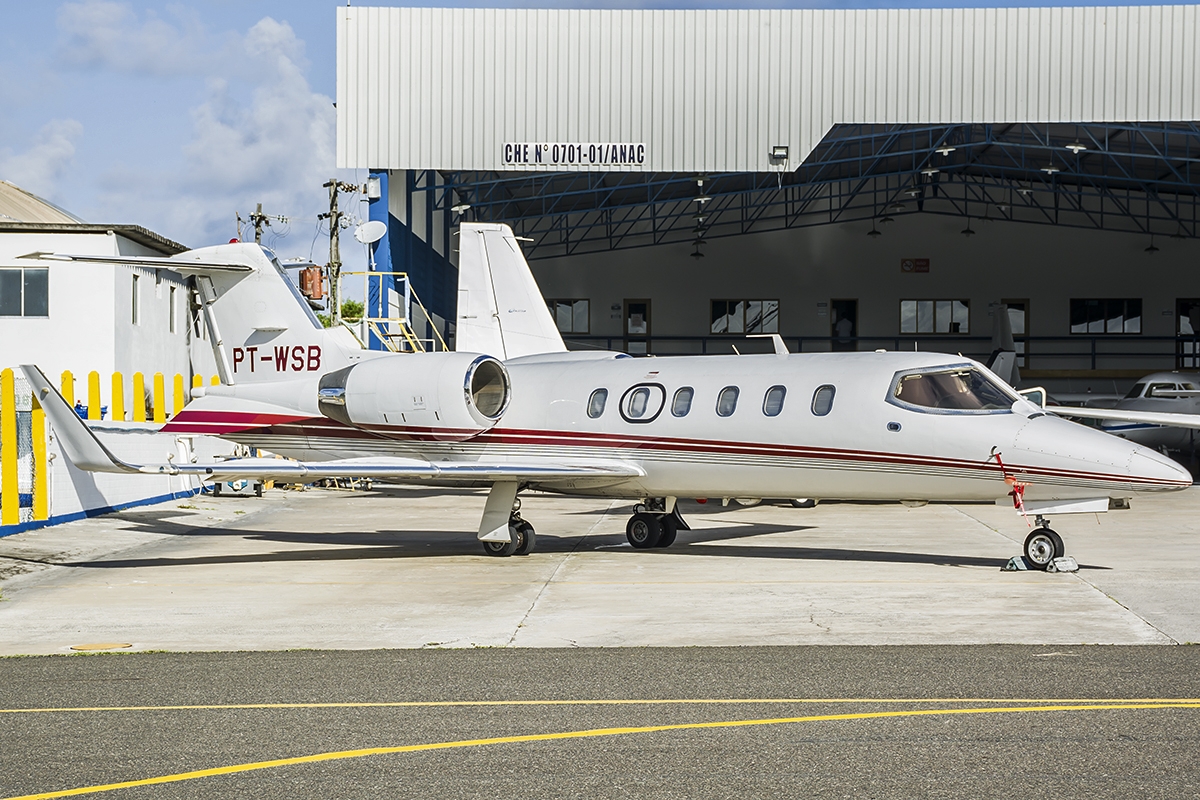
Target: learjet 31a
[(524, 413)]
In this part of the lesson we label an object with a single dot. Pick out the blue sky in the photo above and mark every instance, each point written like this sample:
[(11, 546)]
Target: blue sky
[(177, 115)]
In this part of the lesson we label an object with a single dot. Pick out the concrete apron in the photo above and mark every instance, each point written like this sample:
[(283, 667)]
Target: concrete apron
[(400, 568)]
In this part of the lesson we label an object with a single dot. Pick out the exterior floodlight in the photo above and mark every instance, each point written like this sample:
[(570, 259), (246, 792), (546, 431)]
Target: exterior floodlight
[(913, 192), (1025, 191), (460, 208), (1050, 170), (779, 152), (373, 190), (946, 149), (701, 199), (1077, 147), (930, 171)]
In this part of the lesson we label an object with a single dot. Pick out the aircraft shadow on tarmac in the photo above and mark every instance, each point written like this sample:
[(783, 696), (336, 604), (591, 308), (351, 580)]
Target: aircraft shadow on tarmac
[(440, 544)]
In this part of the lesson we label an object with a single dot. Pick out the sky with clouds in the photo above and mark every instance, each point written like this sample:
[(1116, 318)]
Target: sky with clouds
[(176, 116)]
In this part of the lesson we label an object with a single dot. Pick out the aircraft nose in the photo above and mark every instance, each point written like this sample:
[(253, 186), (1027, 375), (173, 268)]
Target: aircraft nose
[(1150, 470)]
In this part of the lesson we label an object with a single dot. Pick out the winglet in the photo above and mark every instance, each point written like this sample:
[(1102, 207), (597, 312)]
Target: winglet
[(77, 440)]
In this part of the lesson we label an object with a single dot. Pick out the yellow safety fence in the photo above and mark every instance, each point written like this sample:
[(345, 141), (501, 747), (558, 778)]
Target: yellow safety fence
[(156, 401)]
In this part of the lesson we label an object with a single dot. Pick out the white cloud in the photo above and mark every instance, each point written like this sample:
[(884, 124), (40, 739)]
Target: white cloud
[(99, 34), (259, 133), (39, 168)]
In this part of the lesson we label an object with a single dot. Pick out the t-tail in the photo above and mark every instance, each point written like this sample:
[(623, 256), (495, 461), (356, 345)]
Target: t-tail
[(259, 326)]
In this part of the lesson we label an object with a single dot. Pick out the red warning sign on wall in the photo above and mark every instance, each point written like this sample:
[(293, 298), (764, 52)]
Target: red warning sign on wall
[(914, 265)]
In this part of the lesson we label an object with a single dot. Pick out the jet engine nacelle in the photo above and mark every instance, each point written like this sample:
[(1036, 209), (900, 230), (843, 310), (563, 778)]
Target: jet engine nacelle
[(448, 396)]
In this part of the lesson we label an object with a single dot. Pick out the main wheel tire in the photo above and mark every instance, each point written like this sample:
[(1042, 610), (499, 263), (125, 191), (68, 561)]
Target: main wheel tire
[(1041, 547), (528, 539), (216, 488), (643, 530), (670, 526), (515, 540), (258, 490), (803, 502)]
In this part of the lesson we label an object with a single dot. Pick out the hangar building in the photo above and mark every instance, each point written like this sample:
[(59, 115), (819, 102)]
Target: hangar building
[(850, 179)]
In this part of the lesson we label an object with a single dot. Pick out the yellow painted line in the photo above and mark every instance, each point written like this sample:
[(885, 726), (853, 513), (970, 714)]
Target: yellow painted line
[(1173, 701), (583, 734)]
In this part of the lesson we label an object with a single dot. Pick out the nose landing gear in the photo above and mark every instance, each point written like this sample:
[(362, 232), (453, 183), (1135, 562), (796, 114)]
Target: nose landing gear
[(654, 523), (1043, 545)]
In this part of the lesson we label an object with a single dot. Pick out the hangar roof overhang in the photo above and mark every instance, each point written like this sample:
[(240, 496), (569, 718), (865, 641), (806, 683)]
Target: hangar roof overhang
[(1070, 116)]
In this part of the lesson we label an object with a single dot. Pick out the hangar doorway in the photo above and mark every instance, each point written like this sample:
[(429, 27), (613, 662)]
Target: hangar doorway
[(843, 324)]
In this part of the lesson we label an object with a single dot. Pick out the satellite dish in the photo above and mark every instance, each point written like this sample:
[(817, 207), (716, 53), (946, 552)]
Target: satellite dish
[(370, 232)]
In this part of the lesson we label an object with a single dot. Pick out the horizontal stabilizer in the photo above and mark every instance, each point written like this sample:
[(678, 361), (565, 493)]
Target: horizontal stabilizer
[(180, 263)]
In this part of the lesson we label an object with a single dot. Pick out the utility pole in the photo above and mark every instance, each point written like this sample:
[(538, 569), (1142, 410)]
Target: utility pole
[(259, 220), (334, 267)]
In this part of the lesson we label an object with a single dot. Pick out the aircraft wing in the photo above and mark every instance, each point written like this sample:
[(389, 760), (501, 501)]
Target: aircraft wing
[(1137, 417), (88, 453)]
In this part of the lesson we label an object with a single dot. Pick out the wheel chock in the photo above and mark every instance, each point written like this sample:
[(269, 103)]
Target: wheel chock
[(1063, 564), (1015, 564)]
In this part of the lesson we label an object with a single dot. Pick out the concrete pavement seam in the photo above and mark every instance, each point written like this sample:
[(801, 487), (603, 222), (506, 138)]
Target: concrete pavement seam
[(550, 579)]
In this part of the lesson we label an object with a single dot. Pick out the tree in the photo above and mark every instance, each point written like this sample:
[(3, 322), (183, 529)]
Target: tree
[(352, 311)]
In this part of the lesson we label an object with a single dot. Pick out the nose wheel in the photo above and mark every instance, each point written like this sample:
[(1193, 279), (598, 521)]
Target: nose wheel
[(1042, 546)]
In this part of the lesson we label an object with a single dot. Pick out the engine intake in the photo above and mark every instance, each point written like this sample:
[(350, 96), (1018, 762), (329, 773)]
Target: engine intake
[(445, 396)]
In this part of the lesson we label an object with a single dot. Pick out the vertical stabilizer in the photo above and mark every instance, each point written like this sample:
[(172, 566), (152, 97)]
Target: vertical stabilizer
[(501, 311)]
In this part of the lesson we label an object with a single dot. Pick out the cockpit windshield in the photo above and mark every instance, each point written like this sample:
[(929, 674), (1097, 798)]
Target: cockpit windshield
[(1136, 391), (956, 389)]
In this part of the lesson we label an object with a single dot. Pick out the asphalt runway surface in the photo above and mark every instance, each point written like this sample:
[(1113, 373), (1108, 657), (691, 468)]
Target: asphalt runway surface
[(754, 722)]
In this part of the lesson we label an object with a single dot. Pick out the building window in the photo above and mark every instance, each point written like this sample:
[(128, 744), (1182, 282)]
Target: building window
[(571, 316), (24, 292), (1106, 316), (727, 401), (935, 316), (744, 316), (133, 301), (773, 401), (171, 313), (596, 403)]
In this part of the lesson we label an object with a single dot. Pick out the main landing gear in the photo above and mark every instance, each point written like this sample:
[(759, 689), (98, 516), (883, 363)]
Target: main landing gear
[(522, 538), (1043, 545), (654, 523)]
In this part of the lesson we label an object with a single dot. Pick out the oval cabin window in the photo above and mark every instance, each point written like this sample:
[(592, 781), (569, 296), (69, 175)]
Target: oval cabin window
[(682, 403), (773, 402), (596, 403), (643, 402), (727, 401), (822, 402)]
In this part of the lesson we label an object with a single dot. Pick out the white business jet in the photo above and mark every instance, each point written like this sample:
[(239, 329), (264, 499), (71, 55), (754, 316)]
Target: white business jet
[(512, 409)]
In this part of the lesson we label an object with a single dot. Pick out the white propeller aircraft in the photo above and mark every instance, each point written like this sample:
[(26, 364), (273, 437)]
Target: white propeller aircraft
[(1162, 411), (513, 410)]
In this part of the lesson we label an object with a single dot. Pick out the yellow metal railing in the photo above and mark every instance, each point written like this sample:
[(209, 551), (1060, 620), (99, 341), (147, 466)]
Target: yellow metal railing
[(403, 339)]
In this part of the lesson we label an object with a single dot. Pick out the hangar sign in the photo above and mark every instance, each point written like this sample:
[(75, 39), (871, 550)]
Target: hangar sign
[(574, 154)]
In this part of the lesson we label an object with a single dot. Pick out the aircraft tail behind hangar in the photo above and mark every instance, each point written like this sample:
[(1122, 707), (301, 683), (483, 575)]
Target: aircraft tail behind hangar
[(501, 310)]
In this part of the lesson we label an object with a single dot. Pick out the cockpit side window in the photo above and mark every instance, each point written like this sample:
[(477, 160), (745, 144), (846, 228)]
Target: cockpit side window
[(1136, 391), (1165, 388), (955, 390)]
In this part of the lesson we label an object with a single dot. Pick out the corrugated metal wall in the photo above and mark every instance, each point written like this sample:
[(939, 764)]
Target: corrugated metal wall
[(425, 88)]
